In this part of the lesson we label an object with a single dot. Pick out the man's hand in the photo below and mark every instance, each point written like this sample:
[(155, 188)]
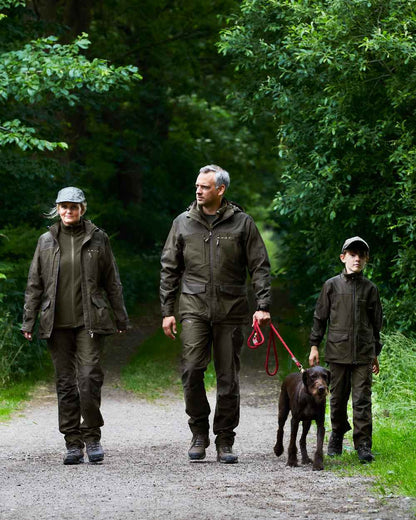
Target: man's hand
[(262, 318), (376, 366), (27, 335), (314, 356), (169, 326)]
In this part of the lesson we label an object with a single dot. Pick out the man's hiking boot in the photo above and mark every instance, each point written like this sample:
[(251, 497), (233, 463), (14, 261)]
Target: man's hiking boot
[(335, 444), (74, 455), (364, 454), (225, 455), (95, 451), (199, 442)]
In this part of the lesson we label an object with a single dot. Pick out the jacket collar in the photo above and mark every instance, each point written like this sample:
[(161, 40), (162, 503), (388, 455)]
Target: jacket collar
[(225, 211), (90, 228), (351, 276)]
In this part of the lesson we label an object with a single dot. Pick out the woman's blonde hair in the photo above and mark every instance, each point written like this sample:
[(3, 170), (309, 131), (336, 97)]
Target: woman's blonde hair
[(53, 213)]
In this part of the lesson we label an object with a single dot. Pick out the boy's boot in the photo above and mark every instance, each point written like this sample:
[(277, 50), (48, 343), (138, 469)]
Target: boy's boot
[(335, 444), (364, 453)]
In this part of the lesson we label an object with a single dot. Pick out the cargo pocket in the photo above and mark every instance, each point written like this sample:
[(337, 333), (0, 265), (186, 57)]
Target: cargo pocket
[(45, 317), (337, 337), (233, 300), (100, 313), (338, 348), (193, 299)]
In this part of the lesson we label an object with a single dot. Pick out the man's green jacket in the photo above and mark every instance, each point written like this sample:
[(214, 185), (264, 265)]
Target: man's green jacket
[(208, 264)]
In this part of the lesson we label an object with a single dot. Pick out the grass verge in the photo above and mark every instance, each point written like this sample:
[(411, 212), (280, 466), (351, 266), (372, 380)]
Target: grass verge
[(394, 423), (14, 395), (154, 370)]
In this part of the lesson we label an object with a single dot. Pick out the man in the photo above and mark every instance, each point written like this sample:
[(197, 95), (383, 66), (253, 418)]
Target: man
[(207, 254)]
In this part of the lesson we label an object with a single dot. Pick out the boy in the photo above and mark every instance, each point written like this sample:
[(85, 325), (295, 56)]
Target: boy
[(349, 304)]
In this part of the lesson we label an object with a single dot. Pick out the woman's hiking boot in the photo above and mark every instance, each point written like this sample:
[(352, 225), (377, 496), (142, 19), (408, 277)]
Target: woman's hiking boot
[(199, 442), (95, 451), (74, 455)]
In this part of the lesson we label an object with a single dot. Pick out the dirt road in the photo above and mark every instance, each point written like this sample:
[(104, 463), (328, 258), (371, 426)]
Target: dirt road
[(146, 474)]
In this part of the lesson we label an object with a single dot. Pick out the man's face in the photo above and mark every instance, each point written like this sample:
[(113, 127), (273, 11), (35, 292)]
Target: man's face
[(354, 260), (207, 195)]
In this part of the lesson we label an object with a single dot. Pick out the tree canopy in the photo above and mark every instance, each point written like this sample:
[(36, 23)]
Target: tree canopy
[(339, 77)]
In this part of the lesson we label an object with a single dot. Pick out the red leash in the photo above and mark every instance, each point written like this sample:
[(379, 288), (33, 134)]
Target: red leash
[(256, 339)]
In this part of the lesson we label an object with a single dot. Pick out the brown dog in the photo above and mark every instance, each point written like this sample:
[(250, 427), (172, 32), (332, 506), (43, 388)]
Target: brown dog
[(305, 396)]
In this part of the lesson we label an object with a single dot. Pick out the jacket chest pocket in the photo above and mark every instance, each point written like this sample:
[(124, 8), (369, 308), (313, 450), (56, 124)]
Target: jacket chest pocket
[(195, 250), (228, 249), (93, 259)]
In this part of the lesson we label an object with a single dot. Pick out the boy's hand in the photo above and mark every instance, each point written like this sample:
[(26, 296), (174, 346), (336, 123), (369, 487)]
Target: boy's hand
[(376, 366), (169, 326), (314, 356)]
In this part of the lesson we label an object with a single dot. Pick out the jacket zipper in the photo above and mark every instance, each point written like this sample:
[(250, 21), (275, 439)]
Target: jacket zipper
[(88, 298), (354, 354), (57, 250), (73, 276), (211, 266)]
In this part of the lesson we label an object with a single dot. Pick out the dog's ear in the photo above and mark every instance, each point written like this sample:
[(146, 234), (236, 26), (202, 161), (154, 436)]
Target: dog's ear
[(328, 375), (305, 377)]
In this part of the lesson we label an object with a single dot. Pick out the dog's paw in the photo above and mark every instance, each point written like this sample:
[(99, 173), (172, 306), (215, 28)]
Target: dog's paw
[(318, 463), (292, 463), (278, 450)]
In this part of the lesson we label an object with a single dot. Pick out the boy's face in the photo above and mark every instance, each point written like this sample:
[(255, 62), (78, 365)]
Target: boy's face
[(354, 260)]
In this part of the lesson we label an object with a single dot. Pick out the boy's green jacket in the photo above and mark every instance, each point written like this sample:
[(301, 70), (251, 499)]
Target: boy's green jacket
[(349, 305), (208, 264), (100, 284)]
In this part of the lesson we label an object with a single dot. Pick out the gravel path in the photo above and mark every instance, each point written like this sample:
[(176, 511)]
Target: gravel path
[(146, 474)]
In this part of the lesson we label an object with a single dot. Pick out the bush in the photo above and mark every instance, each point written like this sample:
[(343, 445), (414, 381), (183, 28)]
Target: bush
[(18, 357), (394, 388)]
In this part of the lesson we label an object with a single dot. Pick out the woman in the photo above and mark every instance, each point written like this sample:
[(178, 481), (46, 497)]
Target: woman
[(72, 279)]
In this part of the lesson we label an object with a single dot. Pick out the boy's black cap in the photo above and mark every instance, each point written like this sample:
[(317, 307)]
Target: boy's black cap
[(357, 242)]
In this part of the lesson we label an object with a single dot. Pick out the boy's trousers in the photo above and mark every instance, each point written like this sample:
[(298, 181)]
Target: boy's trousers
[(355, 380), (79, 378), (226, 340)]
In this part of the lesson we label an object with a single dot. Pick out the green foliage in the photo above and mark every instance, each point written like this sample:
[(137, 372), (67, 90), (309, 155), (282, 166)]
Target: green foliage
[(153, 370), (339, 78), (18, 357), (43, 69), (394, 388)]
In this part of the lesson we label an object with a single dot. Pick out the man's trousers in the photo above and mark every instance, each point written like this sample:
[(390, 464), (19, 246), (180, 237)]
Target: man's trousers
[(198, 337)]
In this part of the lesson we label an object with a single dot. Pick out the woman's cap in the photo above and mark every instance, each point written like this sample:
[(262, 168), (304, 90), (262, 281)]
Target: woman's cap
[(356, 242), (70, 194)]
